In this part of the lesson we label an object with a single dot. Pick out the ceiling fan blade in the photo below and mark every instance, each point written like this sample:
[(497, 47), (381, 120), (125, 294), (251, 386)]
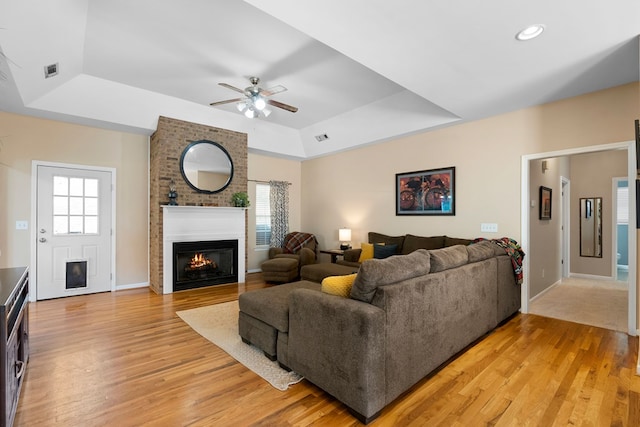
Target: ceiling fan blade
[(228, 101), (281, 105), (273, 90), (228, 86)]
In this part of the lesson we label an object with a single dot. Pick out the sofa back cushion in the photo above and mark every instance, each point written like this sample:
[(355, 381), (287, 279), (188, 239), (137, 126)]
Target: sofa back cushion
[(380, 272), (413, 243), (452, 241), (481, 251), (450, 257), (387, 240)]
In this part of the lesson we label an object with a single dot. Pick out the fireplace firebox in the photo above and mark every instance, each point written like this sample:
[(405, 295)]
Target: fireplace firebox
[(206, 263)]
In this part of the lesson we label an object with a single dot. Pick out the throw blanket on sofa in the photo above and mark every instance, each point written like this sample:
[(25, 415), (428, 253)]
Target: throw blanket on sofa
[(513, 249), (296, 240)]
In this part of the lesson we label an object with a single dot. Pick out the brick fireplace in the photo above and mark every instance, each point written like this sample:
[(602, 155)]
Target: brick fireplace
[(166, 146)]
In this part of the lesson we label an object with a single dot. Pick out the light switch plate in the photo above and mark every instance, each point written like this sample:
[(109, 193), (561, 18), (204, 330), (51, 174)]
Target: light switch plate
[(489, 227)]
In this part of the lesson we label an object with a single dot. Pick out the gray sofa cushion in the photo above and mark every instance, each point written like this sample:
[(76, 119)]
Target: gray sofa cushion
[(481, 250), (380, 272), (450, 257), (451, 241), (412, 243)]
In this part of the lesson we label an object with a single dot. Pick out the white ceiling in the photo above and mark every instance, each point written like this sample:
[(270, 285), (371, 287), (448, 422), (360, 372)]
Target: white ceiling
[(359, 71)]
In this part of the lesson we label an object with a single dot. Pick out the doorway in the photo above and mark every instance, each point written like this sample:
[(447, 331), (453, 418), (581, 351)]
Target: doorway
[(565, 196), (526, 197), (620, 261), (73, 217)]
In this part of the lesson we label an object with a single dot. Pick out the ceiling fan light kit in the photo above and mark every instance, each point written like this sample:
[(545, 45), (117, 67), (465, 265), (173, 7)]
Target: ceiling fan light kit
[(256, 99)]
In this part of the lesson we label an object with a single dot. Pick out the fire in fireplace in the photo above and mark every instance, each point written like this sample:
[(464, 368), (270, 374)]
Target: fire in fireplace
[(198, 264)]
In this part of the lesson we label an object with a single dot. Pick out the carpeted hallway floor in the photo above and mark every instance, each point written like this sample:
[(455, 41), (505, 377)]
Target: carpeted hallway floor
[(590, 302)]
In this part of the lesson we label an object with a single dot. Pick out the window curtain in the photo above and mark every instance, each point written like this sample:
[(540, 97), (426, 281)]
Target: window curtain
[(279, 197)]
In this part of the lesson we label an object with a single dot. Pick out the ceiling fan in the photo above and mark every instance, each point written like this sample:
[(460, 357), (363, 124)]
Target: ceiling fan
[(256, 99)]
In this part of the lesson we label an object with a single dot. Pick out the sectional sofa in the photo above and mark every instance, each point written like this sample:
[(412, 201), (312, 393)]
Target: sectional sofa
[(404, 316)]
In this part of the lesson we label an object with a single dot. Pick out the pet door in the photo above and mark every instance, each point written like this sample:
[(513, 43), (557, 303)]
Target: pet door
[(76, 274)]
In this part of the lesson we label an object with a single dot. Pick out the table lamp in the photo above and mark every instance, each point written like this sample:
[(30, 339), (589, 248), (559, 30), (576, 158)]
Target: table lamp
[(344, 235)]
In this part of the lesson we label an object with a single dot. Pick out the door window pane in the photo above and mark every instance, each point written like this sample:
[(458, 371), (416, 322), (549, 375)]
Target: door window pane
[(76, 186), (60, 205), (91, 187), (75, 224), (60, 186), (91, 206), (75, 205), (60, 225)]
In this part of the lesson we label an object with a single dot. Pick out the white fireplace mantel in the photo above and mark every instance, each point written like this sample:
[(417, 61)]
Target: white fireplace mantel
[(196, 223)]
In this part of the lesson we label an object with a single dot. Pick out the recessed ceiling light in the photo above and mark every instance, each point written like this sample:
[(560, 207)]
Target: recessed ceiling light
[(531, 32)]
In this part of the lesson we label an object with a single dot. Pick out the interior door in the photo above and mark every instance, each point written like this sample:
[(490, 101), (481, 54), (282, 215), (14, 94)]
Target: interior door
[(73, 214)]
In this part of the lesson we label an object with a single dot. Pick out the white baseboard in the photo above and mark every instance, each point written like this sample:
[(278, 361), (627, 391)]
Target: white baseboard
[(590, 276), (132, 286), (553, 285)]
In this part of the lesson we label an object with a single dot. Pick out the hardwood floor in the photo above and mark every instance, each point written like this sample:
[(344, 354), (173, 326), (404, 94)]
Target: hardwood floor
[(126, 359)]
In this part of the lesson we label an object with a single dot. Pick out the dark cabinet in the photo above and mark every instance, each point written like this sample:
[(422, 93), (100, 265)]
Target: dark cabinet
[(14, 338)]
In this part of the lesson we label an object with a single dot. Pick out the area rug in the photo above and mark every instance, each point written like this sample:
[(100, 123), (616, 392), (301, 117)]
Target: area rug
[(219, 324)]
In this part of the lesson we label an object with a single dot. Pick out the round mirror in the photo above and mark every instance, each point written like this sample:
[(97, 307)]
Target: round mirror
[(206, 166)]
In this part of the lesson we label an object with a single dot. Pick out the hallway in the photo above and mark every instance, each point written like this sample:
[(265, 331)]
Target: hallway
[(591, 302)]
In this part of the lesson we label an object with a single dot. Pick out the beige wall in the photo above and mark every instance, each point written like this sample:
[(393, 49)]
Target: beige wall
[(545, 236), (266, 168), (24, 139), (356, 188)]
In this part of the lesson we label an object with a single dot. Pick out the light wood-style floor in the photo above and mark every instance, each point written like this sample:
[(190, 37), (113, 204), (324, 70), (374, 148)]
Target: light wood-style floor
[(126, 359)]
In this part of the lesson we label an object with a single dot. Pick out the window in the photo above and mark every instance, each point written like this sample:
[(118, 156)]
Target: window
[(263, 215), (75, 205)]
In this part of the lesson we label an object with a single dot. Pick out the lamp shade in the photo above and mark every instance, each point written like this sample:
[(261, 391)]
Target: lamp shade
[(344, 234)]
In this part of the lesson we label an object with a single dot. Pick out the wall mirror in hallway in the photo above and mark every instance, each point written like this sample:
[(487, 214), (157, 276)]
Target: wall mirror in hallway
[(591, 227)]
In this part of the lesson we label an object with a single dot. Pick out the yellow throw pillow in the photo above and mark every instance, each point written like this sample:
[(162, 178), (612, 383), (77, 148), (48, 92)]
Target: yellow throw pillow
[(338, 285), (367, 251)]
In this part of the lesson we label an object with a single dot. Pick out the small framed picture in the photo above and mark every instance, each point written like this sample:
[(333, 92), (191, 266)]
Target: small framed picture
[(545, 203), (427, 192)]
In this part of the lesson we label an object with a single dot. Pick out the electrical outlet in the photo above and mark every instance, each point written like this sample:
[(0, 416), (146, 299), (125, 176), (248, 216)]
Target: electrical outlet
[(489, 227), (22, 225)]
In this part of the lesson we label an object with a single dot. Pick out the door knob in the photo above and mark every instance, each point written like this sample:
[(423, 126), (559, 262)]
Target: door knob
[(42, 240), (42, 230)]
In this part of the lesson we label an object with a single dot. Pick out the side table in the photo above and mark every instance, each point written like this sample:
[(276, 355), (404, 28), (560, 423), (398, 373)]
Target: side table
[(335, 253)]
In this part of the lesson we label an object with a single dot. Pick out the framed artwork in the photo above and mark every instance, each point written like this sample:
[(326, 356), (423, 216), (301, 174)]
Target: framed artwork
[(545, 203), (427, 192)]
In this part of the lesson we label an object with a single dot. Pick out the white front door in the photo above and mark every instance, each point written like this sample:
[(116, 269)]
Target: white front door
[(73, 215)]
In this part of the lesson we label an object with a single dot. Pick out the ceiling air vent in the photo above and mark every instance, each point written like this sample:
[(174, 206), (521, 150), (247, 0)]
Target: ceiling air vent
[(50, 70), (322, 137)]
